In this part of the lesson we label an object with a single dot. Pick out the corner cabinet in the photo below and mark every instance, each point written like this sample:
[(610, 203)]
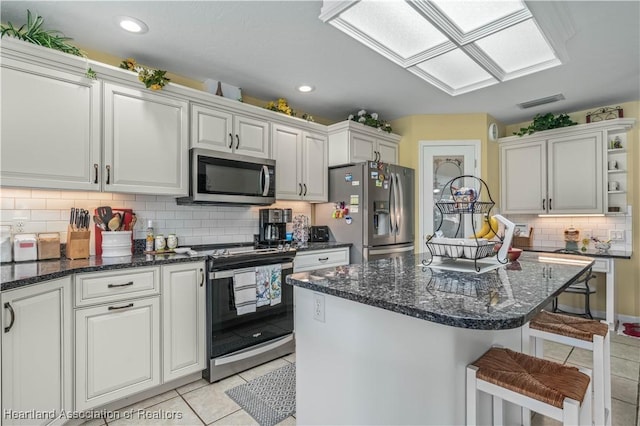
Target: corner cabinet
[(36, 351), (183, 319), (352, 142), (227, 131), (560, 171), (301, 164), (145, 141)]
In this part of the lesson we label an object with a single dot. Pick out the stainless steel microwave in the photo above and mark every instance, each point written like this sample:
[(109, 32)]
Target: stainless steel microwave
[(226, 178)]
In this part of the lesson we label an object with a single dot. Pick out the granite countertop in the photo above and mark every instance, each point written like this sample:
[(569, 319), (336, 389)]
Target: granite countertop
[(505, 298), (20, 274), (591, 252)]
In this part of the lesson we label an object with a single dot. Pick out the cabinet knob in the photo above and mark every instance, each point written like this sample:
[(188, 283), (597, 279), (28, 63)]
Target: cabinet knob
[(201, 277), (300, 187), (108, 174), (544, 203), (550, 204), (305, 189), (96, 170), (237, 141), (7, 305), (230, 140)]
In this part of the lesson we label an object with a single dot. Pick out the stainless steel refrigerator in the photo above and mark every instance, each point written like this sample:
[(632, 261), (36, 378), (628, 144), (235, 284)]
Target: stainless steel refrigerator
[(371, 206)]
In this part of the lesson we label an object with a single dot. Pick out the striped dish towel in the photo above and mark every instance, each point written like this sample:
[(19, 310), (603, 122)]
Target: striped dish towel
[(244, 291)]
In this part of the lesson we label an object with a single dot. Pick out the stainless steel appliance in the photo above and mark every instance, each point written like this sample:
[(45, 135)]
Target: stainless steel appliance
[(273, 226), (370, 206), (319, 234), (225, 178), (238, 342)]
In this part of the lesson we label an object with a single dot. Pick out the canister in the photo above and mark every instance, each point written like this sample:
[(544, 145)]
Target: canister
[(172, 241), (161, 243), (25, 247)]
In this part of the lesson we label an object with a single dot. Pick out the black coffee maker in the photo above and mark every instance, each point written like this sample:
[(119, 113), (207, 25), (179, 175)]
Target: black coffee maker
[(273, 226)]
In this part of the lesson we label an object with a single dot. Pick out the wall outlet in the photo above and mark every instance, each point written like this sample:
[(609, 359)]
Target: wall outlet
[(616, 235), (18, 225), (318, 307)]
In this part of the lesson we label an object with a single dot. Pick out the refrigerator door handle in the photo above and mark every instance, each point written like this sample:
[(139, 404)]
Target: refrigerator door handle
[(392, 201), (400, 203)]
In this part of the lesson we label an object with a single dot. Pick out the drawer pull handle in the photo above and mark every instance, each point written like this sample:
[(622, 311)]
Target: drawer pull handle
[(120, 285), (95, 167), (201, 277), (115, 308), (323, 259), (7, 305)]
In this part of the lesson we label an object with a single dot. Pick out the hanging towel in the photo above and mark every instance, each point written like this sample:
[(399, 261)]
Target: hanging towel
[(244, 291), (269, 285)]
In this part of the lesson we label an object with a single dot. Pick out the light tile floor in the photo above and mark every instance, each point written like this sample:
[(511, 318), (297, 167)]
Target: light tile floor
[(625, 377), (202, 403)]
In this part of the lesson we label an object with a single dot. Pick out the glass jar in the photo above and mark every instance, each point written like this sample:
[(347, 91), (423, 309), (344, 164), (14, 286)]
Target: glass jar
[(172, 241), (160, 242)]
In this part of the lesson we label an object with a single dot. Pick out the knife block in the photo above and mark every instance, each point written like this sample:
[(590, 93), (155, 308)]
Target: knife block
[(523, 242), (77, 244)]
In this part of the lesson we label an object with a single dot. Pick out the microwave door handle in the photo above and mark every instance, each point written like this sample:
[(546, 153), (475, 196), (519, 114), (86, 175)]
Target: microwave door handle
[(267, 181)]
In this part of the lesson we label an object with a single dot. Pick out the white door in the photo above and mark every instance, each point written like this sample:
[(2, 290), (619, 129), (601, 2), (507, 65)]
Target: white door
[(523, 177), (440, 161), (362, 148), (251, 137), (211, 128), (117, 350), (183, 319), (145, 142), (36, 350), (287, 147), (388, 152), (315, 174)]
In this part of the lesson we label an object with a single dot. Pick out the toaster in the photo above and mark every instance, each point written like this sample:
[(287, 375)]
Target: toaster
[(319, 234)]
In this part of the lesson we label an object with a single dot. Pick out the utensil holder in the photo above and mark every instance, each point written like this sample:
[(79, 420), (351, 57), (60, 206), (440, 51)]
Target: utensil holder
[(127, 215), (116, 243), (77, 244)]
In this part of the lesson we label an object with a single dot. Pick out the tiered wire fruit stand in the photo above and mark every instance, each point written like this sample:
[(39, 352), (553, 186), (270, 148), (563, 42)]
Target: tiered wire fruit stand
[(473, 254)]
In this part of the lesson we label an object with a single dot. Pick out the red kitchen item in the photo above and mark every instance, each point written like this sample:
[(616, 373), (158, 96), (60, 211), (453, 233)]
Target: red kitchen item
[(127, 215), (631, 329)]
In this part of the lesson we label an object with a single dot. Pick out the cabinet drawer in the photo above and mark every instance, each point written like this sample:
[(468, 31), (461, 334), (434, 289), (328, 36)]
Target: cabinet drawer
[(103, 287), (601, 265), (318, 259)]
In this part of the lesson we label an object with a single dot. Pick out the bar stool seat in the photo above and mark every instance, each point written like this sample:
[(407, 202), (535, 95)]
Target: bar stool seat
[(547, 387), (582, 333)]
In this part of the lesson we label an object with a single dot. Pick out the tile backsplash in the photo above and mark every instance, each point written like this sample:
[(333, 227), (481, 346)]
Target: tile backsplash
[(549, 231), (48, 211)]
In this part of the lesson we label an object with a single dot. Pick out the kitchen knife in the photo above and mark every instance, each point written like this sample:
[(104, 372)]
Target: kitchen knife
[(72, 218)]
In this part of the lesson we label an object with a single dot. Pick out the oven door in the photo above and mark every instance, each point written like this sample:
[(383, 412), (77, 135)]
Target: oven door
[(231, 178), (230, 332)]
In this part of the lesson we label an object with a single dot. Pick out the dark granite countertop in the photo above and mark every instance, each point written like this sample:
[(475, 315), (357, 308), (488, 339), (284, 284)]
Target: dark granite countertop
[(591, 252), (505, 298), (323, 246), (20, 274)]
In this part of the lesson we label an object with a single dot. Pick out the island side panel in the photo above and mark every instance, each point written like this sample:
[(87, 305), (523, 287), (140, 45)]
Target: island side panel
[(366, 365)]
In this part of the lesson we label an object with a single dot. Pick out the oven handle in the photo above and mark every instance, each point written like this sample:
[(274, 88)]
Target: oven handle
[(253, 352), (231, 272)]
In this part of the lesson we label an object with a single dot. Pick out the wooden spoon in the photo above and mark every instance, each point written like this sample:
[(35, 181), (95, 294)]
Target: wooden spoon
[(134, 219), (114, 223)]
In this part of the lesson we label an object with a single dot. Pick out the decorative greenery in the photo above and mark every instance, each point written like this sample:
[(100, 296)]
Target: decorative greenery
[(546, 122), (283, 107), (152, 79), (91, 74), (32, 32), (371, 120)]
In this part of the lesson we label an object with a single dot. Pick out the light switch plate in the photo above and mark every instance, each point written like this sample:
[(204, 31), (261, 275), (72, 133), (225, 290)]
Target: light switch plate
[(318, 307), (616, 235)]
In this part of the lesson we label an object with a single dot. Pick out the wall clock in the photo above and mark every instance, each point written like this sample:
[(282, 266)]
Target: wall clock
[(493, 132)]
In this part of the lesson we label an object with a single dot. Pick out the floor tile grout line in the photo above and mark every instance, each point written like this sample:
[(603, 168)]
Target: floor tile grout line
[(226, 415), (192, 409)]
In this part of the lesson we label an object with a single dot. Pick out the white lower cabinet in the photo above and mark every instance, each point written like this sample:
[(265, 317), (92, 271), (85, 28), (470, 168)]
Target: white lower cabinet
[(183, 319), (117, 350), (37, 353), (317, 259)]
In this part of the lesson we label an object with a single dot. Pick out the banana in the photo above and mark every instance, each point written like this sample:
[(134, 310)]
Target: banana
[(493, 225), (484, 230)]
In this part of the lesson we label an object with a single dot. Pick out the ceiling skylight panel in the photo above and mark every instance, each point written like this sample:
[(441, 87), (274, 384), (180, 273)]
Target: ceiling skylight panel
[(519, 47), (456, 70), (470, 15), (395, 25)]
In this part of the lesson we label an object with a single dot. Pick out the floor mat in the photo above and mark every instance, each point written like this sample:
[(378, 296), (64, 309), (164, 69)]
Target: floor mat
[(269, 399)]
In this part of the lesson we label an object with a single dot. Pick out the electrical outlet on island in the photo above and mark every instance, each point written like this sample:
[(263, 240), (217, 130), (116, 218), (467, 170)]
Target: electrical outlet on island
[(318, 307)]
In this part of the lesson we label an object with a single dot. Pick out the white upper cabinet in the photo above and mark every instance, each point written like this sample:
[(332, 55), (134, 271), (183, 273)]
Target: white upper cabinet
[(301, 164), (145, 142), (352, 142), (559, 171), (50, 128), (220, 130)]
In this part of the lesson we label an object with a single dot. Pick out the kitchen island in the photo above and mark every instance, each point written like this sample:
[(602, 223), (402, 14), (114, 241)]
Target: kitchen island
[(387, 342)]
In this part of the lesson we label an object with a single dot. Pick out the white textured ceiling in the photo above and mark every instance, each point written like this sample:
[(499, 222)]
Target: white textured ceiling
[(269, 47)]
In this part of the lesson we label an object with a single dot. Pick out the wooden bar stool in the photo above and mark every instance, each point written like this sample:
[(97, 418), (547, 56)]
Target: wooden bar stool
[(546, 387), (582, 333)]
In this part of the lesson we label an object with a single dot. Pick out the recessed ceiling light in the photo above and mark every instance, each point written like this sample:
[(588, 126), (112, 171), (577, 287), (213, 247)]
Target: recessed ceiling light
[(132, 25), (305, 88)]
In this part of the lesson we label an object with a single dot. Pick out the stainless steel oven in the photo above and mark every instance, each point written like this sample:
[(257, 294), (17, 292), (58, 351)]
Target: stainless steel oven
[(238, 341), (226, 178)]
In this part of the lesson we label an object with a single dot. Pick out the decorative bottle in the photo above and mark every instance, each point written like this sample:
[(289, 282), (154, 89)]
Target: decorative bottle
[(149, 242)]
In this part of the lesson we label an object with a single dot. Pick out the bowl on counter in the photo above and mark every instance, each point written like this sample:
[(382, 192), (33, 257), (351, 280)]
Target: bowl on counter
[(513, 254)]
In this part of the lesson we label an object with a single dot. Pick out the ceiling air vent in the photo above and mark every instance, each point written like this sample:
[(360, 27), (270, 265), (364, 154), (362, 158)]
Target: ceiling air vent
[(541, 101)]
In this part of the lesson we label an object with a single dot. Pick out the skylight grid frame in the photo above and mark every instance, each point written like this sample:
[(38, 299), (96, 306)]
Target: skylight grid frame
[(465, 42)]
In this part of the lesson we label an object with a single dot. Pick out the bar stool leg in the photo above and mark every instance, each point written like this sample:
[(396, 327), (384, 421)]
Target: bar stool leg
[(571, 412), (472, 395), (607, 378), (528, 347), (598, 380), (498, 413)]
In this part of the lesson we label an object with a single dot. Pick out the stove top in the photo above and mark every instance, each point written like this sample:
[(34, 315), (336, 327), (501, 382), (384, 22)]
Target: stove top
[(245, 251)]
